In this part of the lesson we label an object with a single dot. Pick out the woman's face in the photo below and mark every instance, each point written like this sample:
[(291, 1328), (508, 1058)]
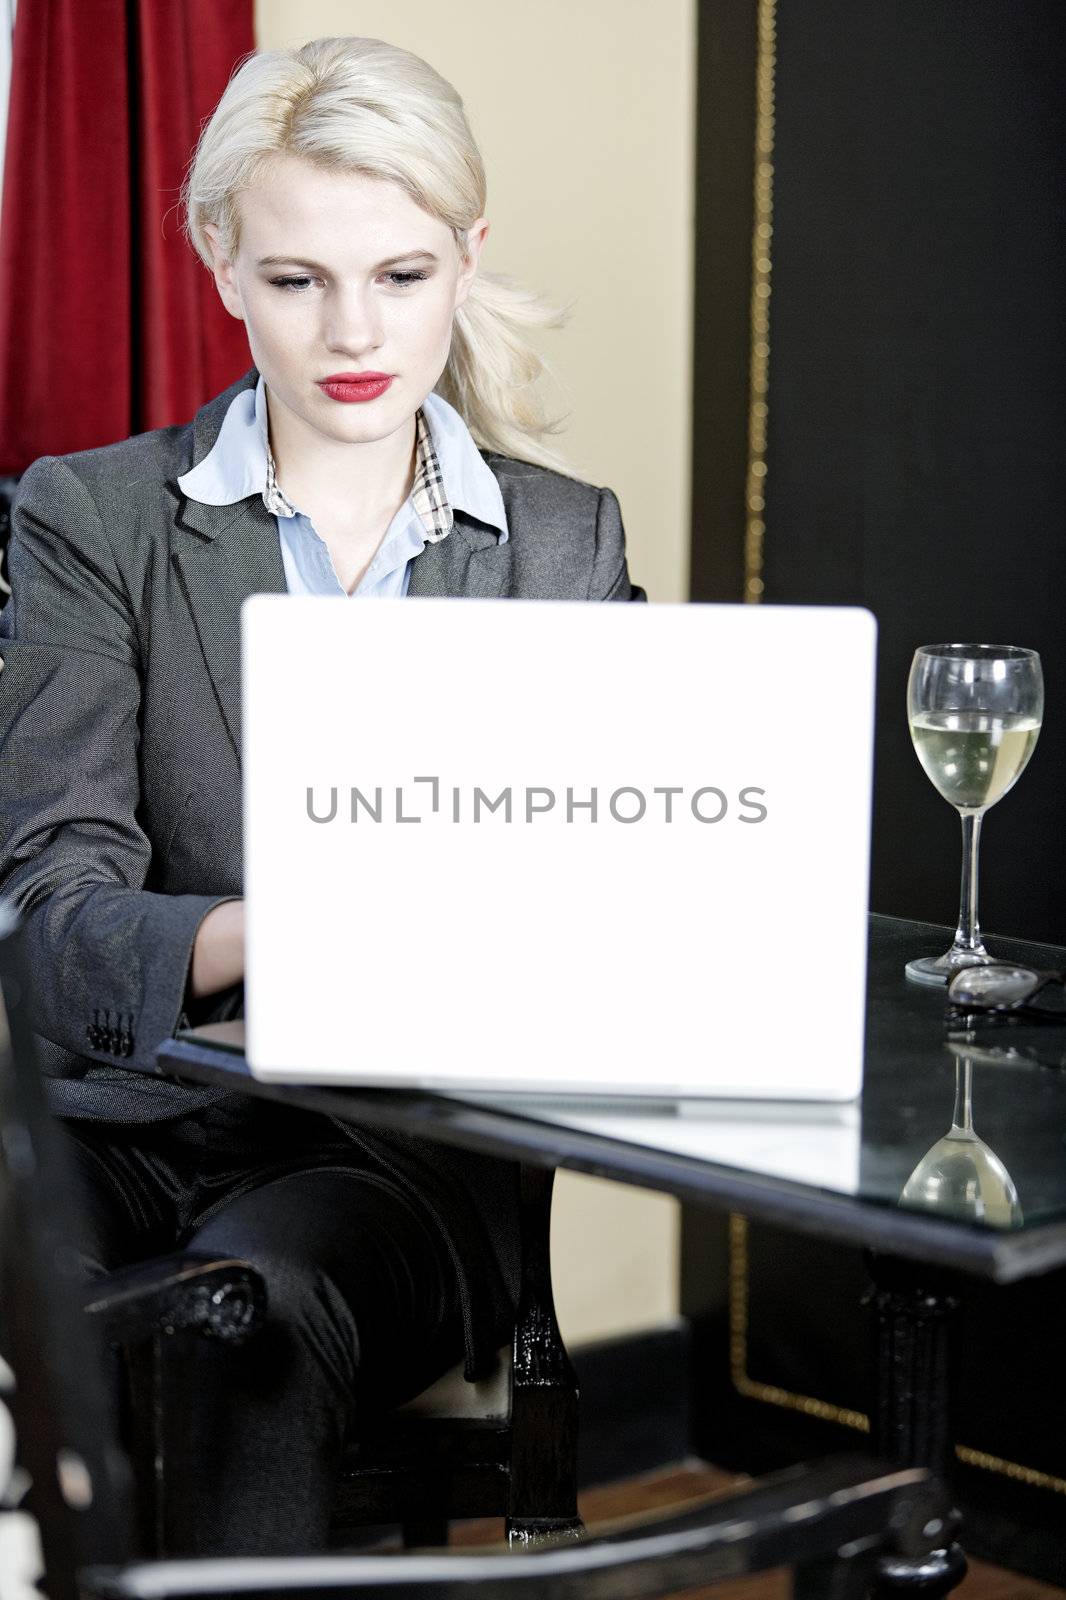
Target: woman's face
[(337, 273)]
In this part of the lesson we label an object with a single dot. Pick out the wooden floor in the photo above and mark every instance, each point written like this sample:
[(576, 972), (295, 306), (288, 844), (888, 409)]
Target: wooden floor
[(675, 1486)]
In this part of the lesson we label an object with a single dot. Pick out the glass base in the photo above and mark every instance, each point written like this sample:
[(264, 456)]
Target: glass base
[(938, 969)]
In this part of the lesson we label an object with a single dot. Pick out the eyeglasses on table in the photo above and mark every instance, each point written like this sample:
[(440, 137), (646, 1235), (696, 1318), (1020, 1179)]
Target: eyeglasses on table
[(1000, 991)]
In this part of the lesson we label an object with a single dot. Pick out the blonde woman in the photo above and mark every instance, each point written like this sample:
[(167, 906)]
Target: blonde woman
[(387, 441)]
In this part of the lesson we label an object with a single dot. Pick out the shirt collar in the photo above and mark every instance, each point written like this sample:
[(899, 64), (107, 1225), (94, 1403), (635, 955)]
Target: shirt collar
[(450, 471)]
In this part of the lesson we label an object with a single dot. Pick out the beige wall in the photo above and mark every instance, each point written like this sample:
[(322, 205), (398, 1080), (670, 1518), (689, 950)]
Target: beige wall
[(583, 110), (614, 1258)]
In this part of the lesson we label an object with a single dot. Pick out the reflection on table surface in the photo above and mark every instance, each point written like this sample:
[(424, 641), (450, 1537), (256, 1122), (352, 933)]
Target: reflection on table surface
[(806, 1143), (971, 1128), (960, 1176)]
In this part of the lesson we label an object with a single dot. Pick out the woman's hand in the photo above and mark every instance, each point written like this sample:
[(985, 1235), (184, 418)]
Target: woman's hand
[(218, 951)]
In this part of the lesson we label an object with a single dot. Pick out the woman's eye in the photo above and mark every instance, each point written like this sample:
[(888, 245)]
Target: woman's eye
[(403, 280), (295, 284)]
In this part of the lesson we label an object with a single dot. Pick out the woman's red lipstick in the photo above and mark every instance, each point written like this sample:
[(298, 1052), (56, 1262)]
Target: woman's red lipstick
[(354, 386)]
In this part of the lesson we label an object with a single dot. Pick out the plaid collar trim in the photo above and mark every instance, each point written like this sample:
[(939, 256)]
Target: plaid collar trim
[(273, 498), (427, 496)]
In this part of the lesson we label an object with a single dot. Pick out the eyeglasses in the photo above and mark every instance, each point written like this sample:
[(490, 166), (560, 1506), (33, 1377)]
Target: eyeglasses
[(1001, 992)]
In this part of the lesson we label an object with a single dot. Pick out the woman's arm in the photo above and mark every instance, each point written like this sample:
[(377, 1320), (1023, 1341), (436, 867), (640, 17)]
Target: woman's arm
[(73, 856)]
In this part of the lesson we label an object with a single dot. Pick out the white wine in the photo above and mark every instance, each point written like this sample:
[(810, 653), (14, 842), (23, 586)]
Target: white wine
[(972, 757)]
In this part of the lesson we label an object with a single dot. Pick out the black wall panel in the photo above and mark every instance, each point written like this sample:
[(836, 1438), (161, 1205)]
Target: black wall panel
[(917, 404), (915, 451)]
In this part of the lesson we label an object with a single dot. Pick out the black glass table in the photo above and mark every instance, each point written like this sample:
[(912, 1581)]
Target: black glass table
[(988, 1200)]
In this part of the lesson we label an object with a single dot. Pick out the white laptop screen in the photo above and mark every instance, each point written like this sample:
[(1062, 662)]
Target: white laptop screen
[(553, 846)]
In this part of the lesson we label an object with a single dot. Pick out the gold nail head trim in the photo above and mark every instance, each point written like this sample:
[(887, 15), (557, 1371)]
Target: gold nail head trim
[(769, 1393), (773, 1394), (759, 370)]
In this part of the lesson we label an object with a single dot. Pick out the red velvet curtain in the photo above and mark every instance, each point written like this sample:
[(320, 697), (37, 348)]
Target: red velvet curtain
[(109, 324)]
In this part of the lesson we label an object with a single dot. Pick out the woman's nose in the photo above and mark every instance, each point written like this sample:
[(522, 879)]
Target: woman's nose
[(353, 321)]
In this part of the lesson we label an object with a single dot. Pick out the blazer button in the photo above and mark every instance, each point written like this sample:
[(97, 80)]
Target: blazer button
[(125, 1043), (92, 1035)]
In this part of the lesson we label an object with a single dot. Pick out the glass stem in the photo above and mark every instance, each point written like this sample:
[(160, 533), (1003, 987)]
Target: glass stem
[(962, 1116), (968, 934)]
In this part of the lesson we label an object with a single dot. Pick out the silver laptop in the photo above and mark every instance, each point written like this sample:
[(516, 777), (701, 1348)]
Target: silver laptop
[(550, 846)]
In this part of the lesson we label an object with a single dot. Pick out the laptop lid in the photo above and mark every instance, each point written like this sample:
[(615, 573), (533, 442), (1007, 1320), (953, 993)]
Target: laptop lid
[(557, 846)]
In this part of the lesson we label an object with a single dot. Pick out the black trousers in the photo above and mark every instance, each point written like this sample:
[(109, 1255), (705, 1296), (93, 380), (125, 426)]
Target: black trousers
[(363, 1308)]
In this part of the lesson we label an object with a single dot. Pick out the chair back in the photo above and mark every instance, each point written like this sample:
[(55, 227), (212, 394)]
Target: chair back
[(63, 1478)]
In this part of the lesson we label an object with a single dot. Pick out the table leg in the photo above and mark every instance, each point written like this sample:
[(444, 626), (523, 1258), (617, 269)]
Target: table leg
[(915, 1327)]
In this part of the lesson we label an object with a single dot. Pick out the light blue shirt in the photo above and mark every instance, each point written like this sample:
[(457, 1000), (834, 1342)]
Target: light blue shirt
[(239, 464)]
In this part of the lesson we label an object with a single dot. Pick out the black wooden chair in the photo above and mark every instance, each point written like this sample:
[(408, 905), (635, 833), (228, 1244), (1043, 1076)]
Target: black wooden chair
[(69, 1487), (503, 1447), (146, 1313)]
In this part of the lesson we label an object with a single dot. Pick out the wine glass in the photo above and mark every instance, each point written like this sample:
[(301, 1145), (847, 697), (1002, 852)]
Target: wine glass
[(975, 712), (960, 1176)]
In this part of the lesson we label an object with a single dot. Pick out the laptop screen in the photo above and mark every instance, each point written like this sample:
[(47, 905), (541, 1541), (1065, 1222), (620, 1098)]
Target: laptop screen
[(552, 845)]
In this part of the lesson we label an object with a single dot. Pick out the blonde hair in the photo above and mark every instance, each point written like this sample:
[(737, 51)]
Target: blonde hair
[(361, 105)]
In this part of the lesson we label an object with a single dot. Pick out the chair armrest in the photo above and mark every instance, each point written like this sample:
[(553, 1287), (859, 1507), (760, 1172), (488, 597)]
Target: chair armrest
[(220, 1297), (789, 1517)]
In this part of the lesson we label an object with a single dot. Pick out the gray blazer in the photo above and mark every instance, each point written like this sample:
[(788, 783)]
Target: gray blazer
[(120, 814)]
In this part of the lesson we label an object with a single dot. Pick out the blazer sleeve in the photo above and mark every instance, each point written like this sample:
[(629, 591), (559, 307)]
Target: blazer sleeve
[(73, 856), (610, 574)]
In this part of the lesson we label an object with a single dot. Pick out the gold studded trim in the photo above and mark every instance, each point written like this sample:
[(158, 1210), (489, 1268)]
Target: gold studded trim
[(774, 1395), (762, 234)]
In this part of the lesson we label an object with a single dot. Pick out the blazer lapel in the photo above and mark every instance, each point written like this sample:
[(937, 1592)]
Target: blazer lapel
[(470, 563), (231, 552), (235, 552)]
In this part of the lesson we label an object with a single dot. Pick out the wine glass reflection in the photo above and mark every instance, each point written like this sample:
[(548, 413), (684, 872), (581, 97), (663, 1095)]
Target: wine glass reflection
[(960, 1176)]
